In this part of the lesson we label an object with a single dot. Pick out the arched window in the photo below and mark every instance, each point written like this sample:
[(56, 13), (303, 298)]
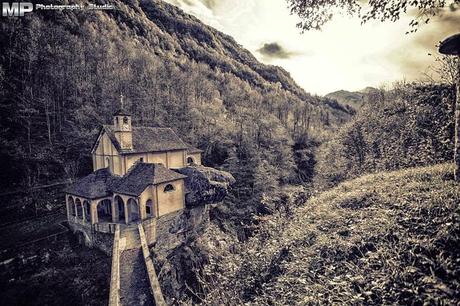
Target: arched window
[(104, 210), (190, 160), (169, 188), (79, 208), (125, 120), (107, 162), (149, 208)]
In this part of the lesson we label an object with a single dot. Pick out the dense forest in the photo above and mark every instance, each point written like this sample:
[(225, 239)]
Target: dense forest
[(62, 76)]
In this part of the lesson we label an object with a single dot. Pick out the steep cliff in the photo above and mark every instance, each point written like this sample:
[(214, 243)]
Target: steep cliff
[(182, 247)]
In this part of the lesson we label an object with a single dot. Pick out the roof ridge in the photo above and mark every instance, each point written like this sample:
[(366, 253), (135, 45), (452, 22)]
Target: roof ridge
[(130, 169)]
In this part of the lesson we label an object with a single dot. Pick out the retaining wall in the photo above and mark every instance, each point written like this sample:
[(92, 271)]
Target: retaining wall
[(114, 297), (154, 284)]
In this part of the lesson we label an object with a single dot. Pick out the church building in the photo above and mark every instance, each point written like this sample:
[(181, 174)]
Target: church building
[(134, 178)]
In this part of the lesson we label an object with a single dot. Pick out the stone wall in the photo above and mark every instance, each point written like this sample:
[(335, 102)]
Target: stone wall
[(153, 280), (114, 297), (91, 238)]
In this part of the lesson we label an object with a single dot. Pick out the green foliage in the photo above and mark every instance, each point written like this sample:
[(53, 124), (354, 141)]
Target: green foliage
[(412, 126)]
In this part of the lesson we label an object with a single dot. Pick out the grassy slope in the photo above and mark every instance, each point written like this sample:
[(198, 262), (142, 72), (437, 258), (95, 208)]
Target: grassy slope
[(383, 238)]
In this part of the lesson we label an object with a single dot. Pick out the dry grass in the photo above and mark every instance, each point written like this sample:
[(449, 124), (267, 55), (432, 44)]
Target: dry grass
[(387, 238)]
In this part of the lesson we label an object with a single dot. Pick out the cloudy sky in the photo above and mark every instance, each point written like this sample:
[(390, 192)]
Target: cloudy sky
[(344, 55)]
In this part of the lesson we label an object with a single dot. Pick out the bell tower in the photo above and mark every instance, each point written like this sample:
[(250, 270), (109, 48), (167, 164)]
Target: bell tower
[(122, 127)]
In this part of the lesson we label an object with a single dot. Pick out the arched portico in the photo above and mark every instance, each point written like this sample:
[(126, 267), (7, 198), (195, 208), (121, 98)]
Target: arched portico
[(87, 210), (133, 209), (79, 209), (120, 208), (104, 211)]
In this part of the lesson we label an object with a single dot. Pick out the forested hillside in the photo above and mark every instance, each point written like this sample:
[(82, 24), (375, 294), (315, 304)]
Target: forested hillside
[(410, 125), (62, 73)]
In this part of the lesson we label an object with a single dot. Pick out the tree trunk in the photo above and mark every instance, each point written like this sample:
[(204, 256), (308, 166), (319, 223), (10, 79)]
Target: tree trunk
[(457, 128)]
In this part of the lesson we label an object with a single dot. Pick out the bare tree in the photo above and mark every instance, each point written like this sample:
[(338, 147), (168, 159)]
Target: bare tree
[(443, 70)]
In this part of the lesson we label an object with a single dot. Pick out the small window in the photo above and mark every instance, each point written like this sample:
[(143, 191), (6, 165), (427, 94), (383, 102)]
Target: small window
[(141, 159), (125, 120), (116, 119), (149, 208), (169, 188)]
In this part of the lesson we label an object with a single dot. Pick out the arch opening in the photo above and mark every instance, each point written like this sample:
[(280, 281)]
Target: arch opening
[(87, 210), (133, 209), (121, 207), (79, 213), (104, 211), (149, 211)]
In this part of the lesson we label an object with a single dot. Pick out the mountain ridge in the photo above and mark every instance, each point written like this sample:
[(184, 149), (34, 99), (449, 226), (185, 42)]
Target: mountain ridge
[(355, 99)]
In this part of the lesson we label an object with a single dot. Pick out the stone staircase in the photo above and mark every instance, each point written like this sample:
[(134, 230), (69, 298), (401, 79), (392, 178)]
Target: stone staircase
[(129, 237), (134, 281)]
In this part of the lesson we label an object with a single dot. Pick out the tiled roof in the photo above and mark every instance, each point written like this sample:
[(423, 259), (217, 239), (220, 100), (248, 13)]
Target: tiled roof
[(142, 175), (96, 185), (102, 182), (149, 139), (191, 149)]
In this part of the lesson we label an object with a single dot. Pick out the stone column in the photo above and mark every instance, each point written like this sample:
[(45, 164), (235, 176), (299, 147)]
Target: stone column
[(83, 209), (94, 217), (76, 209), (141, 207), (126, 211), (114, 210)]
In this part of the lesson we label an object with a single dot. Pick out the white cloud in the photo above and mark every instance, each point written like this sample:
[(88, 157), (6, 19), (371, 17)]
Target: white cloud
[(345, 55)]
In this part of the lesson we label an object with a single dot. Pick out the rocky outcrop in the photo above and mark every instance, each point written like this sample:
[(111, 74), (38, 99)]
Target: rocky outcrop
[(205, 185), (178, 253)]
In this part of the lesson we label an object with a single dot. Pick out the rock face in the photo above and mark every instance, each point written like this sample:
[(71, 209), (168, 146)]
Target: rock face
[(205, 185), (178, 253)]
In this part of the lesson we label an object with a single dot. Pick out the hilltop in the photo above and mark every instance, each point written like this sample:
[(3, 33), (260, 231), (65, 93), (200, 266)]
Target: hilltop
[(386, 238), (354, 99)]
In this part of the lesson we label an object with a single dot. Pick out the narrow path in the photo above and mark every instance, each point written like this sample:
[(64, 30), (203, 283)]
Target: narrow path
[(134, 281)]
